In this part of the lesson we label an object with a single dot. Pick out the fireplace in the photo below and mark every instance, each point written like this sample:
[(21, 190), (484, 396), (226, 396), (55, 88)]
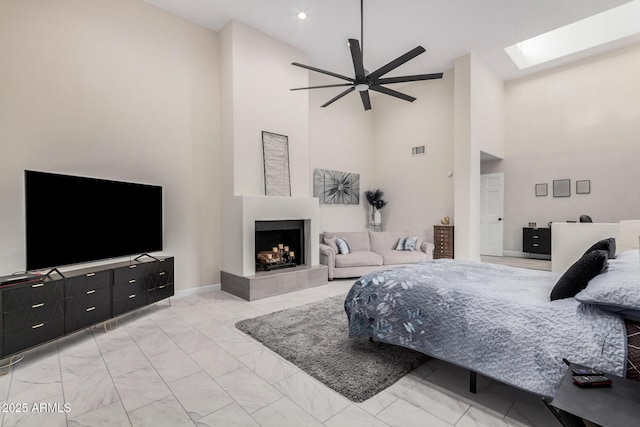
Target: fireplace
[(279, 244)]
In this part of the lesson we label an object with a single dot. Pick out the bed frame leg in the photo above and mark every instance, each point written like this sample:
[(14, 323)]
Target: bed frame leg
[(472, 382)]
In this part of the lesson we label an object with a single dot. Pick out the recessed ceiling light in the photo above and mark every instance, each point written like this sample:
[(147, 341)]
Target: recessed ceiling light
[(605, 27), (302, 16)]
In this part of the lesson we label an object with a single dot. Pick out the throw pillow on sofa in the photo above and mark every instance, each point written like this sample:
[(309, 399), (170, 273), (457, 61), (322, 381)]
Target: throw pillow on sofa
[(407, 244), (343, 246), (331, 242), (410, 244), (401, 242)]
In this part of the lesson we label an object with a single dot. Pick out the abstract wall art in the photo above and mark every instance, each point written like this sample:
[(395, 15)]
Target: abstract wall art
[(336, 188)]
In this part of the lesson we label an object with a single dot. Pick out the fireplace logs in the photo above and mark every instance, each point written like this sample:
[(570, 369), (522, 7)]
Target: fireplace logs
[(278, 257)]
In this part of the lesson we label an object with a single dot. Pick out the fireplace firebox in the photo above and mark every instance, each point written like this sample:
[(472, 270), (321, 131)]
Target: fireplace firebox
[(279, 244)]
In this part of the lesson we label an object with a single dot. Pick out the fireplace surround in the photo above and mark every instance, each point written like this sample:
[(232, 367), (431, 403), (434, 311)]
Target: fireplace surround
[(242, 216)]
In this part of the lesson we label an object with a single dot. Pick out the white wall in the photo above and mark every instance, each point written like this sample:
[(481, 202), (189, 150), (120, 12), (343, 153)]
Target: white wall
[(417, 188), (341, 137), (117, 90), (578, 122), (261, 101), (488, 113), (466, 163), (256, 77)]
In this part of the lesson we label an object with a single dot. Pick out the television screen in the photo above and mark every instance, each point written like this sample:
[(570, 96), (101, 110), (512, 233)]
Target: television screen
[(71, 219)]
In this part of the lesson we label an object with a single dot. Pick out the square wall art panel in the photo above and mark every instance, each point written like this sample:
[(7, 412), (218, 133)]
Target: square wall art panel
[(336, 188)]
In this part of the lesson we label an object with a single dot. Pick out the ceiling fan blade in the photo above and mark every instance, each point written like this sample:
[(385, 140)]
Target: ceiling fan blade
[(323, 86), (318, 70), (366, 101), (404, 79), (331, 101), (395, 63), (356, 56), (392, 92)]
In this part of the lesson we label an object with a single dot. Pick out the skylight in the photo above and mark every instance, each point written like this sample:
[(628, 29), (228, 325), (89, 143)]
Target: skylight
[(613, 24)]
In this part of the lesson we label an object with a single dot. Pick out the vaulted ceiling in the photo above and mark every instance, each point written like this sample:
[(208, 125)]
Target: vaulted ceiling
[(447, 29)]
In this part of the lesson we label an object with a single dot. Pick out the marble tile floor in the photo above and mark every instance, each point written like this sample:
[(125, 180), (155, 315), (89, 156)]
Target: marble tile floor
[(187, 365)]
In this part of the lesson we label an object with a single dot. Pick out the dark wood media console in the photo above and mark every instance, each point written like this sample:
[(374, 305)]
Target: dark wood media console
[(40, 311)]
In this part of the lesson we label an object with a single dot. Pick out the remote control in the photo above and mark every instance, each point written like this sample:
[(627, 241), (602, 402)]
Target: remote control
[(591, 380), (584, 370)]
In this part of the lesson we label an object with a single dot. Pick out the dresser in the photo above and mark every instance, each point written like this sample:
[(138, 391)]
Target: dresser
[(443, 241), (536, 240)]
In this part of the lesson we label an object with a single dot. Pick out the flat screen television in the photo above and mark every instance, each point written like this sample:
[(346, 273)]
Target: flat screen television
[(72, 219)]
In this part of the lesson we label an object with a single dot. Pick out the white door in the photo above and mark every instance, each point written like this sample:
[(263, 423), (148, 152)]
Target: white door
[(491, 213)]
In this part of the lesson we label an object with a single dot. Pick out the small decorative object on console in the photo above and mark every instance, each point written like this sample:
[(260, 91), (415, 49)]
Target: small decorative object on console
[(445, 220)]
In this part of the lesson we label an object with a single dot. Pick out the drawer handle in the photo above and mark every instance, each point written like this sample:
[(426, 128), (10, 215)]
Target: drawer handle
[(91, 308), (163, 286), (39, 325), (38, 285), (535, 237), (37, 305), (92, 291), (535, 245), (132, 266), (162, 273), (132, 281), (91, 274), (132, 296)]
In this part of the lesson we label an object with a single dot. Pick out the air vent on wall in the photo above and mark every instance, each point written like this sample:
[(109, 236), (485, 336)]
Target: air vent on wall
[(418, 151)]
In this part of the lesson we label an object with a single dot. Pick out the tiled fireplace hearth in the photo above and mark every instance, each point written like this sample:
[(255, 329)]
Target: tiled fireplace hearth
[(262, 225)]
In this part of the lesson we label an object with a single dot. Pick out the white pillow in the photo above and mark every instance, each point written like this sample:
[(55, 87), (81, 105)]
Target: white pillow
[(618, 288), (343, 246)]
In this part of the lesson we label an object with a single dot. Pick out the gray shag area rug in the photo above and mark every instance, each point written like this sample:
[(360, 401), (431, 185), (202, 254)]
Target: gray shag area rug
[(315, 338)]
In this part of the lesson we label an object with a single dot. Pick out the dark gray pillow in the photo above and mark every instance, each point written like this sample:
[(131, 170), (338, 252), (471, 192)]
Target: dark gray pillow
[(578, 275), (608, 245)]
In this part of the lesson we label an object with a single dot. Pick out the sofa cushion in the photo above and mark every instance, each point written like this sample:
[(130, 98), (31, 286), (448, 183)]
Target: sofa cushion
[(385, 240), (358, 240), (331, 242), (391, 256), (358, 259)]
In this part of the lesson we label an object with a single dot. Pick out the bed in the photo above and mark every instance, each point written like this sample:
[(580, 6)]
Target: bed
[(491, 319)]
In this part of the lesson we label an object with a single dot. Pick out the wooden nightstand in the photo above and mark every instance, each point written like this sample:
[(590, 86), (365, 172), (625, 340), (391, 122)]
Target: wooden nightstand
[(443, 241)]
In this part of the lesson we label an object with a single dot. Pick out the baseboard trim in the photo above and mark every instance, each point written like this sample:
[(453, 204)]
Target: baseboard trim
[(515, 254), (198, 290)]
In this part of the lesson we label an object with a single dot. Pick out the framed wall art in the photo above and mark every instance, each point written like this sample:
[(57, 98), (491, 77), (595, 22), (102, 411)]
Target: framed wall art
[(562, 188), (275, 154), (336, 188), (583, 186), (542, 190)]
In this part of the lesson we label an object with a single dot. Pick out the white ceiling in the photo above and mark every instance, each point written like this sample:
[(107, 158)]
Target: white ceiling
[(446, 28)]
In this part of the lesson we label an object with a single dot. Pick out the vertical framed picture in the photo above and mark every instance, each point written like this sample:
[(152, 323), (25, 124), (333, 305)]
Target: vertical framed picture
[(275, 154)]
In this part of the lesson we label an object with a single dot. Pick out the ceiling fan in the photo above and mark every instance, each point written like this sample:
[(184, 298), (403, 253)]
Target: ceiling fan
[(365, 81)]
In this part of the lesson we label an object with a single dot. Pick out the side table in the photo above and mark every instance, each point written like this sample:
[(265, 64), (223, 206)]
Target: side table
[(615, 406)]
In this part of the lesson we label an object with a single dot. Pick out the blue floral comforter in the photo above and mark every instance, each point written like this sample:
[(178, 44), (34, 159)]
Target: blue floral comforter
[(492, 319)]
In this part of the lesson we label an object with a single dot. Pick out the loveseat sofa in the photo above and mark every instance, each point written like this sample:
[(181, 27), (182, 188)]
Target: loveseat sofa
[(370, 251)]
